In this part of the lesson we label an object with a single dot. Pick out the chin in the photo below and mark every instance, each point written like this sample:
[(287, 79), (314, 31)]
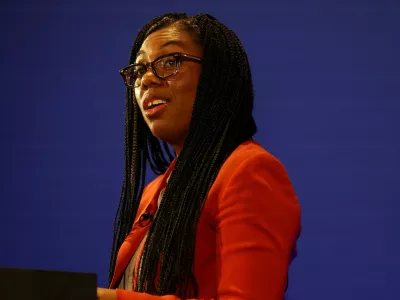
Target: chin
[(165, 133)]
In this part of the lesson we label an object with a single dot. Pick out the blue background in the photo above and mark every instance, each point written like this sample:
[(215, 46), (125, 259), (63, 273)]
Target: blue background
[(327, 88)]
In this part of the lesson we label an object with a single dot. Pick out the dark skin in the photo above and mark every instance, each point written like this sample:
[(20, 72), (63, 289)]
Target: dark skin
[(172, 125), (179, 90)]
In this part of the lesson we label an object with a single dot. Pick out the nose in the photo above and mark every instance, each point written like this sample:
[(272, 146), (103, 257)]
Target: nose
[(149, 79)]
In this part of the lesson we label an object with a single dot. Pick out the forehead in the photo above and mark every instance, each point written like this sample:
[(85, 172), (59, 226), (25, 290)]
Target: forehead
[(166, 40)]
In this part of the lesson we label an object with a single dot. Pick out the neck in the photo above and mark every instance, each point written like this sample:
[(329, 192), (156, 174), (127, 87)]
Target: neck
[(177, 148)]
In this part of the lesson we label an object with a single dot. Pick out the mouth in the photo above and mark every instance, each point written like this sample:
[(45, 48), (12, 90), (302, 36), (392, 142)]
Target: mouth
[(153, 106), (153, 103)]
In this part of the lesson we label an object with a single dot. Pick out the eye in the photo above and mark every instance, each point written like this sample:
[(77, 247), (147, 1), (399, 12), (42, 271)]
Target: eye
[(139, 70), (168, 63)]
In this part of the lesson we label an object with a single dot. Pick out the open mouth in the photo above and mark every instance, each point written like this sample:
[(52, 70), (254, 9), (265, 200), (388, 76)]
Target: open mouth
[(155, 108), (155, 103)]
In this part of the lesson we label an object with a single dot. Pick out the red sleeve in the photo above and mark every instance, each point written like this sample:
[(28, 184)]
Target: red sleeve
[(257, 224)]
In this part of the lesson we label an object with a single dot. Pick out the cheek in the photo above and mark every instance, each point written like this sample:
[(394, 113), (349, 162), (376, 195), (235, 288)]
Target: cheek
[(184, 97), (137, 97), (185, 90)]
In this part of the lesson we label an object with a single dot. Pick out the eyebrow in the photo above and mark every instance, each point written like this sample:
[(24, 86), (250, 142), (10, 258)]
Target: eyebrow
[(171, 42)]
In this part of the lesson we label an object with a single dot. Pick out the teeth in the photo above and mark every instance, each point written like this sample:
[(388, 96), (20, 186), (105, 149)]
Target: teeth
[(155, 102)]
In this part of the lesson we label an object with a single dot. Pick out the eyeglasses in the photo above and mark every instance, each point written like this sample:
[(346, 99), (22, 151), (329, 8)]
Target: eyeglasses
[(163, 67)]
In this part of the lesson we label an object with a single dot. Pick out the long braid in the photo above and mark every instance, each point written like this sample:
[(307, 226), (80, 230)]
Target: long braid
[(221, 120), (140, 147), (136, 156)]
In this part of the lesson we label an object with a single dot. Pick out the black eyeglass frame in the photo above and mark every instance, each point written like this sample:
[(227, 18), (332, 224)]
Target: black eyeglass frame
[(179, 56)]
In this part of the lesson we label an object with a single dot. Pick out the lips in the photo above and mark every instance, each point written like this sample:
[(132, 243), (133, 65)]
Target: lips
[(149, 99), (151, 106)]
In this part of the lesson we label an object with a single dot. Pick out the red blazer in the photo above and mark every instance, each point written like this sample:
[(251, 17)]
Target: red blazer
[(246, 235)]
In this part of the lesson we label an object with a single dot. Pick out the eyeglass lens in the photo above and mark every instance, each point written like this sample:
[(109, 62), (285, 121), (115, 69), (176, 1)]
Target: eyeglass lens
[(163, 67)]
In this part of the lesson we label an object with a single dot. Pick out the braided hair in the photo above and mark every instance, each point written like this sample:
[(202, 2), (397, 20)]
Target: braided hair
[(221, 120)]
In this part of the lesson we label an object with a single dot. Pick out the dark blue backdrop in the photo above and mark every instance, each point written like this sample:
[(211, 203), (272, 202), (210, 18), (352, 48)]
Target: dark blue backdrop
[(327, 85)]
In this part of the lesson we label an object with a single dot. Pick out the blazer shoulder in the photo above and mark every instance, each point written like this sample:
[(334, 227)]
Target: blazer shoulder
[(248, 163), (249, 154), (253, 170)]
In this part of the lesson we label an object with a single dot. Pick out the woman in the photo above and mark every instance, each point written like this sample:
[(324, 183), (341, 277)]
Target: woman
[(222, 219)]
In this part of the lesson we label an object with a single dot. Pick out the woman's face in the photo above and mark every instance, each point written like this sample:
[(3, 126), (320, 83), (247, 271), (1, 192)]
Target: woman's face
[(170, 120)]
